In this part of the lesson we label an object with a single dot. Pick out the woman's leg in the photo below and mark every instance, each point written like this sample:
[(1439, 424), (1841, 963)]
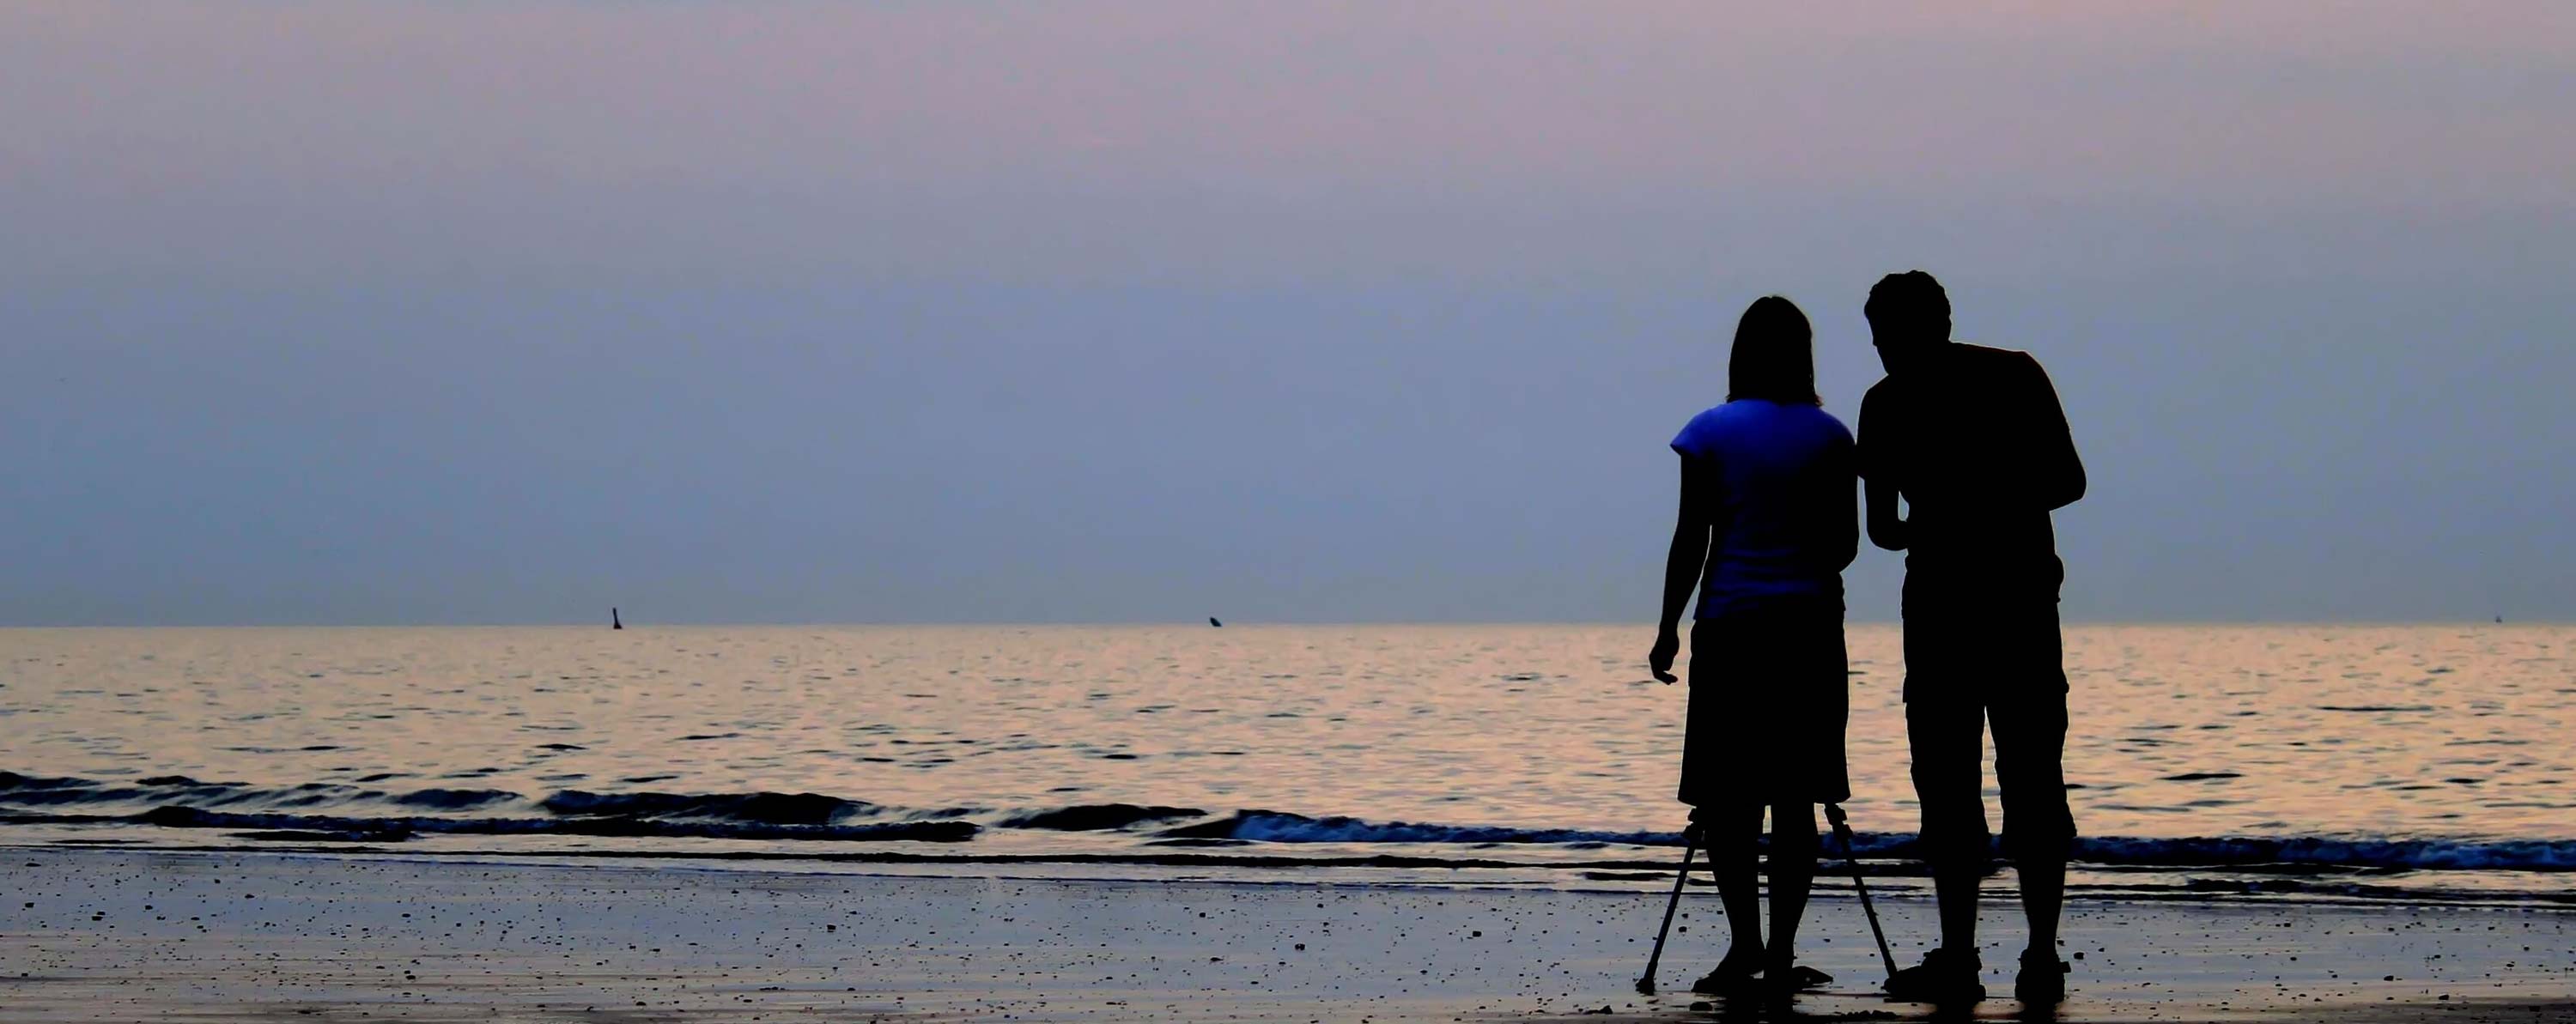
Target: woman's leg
[(1732, 834), (1793, 871)]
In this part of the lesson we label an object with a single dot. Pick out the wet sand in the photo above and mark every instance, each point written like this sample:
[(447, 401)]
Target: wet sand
[(102, 934)]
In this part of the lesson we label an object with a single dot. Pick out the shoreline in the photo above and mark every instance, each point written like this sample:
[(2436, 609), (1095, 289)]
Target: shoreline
[(1108, 855), (278, 935)]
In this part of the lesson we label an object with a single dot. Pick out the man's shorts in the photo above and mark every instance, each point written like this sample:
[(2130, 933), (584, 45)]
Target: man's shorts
[(1965, 670)]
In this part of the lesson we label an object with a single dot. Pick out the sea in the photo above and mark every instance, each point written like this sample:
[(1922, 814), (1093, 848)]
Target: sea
[(2418, 763)]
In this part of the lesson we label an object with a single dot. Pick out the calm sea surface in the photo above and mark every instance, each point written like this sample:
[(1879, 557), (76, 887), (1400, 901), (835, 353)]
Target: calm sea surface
[(2350, 754)]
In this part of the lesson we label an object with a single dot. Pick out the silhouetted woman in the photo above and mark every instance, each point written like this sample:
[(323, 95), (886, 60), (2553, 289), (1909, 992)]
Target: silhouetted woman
[(1767, 524)]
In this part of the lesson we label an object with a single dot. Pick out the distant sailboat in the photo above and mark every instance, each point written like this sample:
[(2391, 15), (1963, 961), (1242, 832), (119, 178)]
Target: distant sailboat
[(613, 622)]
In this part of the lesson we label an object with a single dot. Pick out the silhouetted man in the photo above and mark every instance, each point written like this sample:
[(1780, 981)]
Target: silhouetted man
[(1972, 439)]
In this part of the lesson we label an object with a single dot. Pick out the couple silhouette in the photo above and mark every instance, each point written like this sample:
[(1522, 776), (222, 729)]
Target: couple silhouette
[(1963, 452)]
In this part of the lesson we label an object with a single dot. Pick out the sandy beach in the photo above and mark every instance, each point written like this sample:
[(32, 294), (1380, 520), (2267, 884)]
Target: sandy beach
[(106, 934), (774, 510)]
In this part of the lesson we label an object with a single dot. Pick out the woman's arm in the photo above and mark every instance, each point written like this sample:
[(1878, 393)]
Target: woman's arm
[(1682, 564)]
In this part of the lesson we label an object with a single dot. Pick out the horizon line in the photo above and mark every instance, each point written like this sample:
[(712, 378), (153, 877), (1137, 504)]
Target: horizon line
[(1198, 623)]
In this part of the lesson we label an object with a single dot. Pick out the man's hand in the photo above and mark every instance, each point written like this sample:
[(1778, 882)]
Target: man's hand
[(1667, 644)]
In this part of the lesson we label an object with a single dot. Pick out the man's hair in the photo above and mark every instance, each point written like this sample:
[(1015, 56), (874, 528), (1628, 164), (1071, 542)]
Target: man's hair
[(1774, 357), (1912, 297)]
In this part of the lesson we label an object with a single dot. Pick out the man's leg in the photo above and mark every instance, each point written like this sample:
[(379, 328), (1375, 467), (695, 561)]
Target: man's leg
[(2043, 896), (1946, 735), (2030, 721), (2029, 749), (1955, 886), (1947, 740)]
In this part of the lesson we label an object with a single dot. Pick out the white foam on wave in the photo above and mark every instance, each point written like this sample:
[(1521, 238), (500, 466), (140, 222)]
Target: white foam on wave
[(2436, 854), (174, 801)]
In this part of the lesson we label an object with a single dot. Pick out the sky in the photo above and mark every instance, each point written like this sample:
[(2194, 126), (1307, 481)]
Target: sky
[(483, 312)]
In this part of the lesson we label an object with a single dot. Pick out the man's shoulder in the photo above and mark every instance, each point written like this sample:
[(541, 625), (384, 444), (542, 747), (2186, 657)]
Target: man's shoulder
[(1888, 389), (2005, 360), (1992, 353), (1890, 400)]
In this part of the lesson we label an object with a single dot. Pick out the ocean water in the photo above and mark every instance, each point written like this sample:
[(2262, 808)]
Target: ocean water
[(2218, 761)]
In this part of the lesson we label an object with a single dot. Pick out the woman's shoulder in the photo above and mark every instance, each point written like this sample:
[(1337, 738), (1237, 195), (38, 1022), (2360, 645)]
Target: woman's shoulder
[(1758, 422), (1735, 417), (1699, 436), (1711, 416), (1816, 420)]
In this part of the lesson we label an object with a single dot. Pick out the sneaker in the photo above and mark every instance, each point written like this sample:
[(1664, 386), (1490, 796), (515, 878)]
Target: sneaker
[(1736, 975), (2042, 981), (1797, 978), (1942, 977)]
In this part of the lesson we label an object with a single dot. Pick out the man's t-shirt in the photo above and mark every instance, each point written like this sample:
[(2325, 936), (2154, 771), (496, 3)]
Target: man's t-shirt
[(1977, 445), (1785, 523)]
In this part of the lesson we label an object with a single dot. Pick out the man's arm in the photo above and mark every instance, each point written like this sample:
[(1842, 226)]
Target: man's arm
[(1878, 480), (2057, 473), (1842, 541), (1682, 563), (1886, 528)]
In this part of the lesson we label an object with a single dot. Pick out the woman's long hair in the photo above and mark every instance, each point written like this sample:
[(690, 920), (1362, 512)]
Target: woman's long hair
[(1775, 355)]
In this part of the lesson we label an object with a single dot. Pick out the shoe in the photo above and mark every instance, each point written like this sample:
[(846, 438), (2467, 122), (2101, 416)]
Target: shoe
[(1942, 977), (2042, 981), (1798, 978), (1734, 976)]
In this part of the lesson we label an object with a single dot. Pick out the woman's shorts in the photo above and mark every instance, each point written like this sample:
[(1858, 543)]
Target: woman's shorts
[(1768, 701)]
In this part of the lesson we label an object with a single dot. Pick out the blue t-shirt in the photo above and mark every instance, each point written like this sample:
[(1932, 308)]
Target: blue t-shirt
[(1785, 521)]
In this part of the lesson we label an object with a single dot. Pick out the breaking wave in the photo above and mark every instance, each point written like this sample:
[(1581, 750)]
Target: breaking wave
[(2110, 851), (334, 812)]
